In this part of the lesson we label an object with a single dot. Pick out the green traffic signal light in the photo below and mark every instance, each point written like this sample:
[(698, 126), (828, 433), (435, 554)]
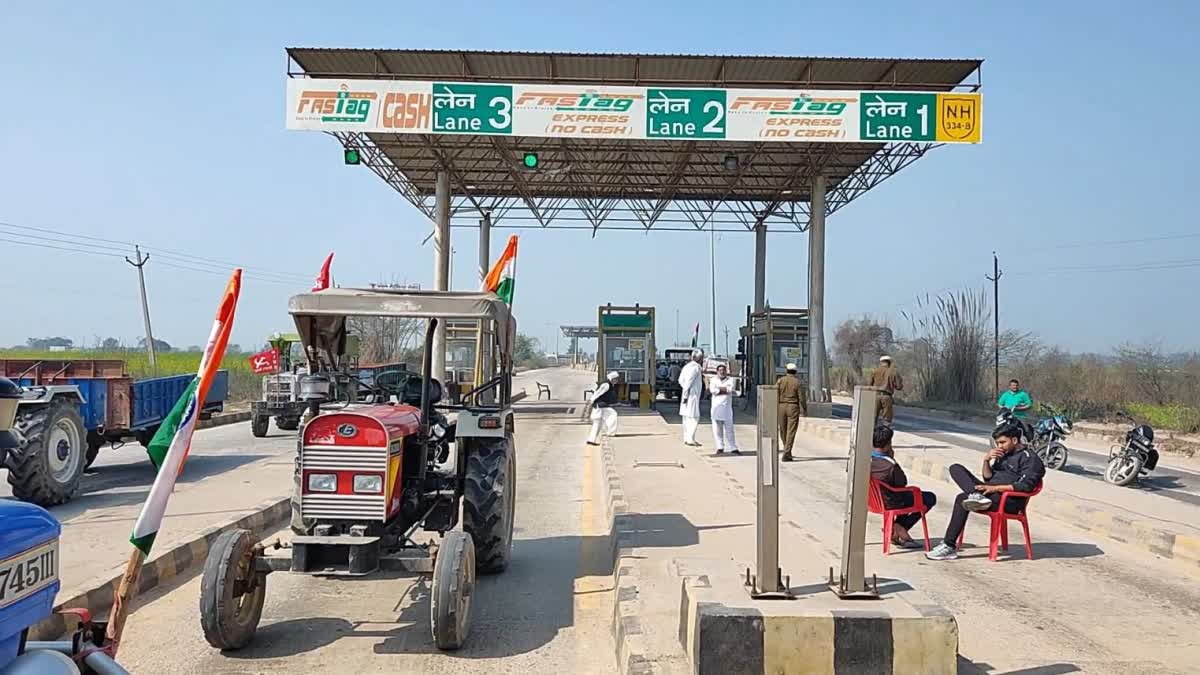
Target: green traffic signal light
[(352, 157), (531, 160)]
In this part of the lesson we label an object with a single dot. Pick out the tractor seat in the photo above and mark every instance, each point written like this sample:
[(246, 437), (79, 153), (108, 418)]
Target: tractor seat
[(412, 391)]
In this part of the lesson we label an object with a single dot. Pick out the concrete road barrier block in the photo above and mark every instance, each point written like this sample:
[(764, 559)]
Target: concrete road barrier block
[(724, 631)]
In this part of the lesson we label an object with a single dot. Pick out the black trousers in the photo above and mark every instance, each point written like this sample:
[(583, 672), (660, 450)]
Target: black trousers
[(904, 500), (967, 481)]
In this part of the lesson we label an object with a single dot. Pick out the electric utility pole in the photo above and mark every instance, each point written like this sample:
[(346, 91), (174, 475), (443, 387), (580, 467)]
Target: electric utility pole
[(995, 279), (141, 262)]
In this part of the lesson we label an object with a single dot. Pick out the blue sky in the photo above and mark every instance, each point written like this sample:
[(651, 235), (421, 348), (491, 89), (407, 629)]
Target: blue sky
[(162, 124)]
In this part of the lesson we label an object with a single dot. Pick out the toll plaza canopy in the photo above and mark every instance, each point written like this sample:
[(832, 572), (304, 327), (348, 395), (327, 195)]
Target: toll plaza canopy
[(633, 141)]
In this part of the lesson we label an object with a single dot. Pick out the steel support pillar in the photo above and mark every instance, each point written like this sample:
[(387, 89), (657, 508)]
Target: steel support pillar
[(852, 582), (485, 246), (760, 266), (816, 292), (441, 266)]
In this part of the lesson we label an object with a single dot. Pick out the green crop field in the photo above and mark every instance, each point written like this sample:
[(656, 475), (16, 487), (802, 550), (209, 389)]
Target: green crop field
[(244, 385)]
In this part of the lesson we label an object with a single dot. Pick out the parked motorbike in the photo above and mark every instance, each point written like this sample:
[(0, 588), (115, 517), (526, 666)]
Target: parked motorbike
[(1136, 456), (1046, 437)]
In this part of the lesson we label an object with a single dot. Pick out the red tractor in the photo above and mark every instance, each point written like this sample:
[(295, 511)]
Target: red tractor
[(369, 476)]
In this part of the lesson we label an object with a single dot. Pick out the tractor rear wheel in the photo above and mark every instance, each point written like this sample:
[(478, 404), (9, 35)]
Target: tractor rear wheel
[(452, 591), (46, 471), (231, 592), (490, 501)]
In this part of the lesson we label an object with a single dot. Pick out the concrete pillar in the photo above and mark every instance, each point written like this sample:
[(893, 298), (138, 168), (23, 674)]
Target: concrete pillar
[(760, 266), (441, 266), (816, 292), (485, 246)]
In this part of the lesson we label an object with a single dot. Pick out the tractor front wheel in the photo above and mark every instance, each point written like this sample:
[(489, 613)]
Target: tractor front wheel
[(490, 501), (453, 588), (231, 592)]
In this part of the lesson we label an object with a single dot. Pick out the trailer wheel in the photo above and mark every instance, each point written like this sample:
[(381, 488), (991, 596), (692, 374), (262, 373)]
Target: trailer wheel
[(288, 423), (453, 589), (490, 500), (47, 470), (231, 592), (259, 424)]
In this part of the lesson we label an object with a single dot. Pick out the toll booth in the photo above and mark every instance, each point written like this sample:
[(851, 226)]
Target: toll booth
[(769, 341), (626, 346)]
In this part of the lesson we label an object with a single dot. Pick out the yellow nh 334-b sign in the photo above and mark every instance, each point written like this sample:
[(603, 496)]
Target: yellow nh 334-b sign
[(958, 118)]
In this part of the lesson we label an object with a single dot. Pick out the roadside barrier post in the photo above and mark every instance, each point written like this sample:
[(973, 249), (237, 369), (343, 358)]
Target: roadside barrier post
[(768, 580), (852, 583)]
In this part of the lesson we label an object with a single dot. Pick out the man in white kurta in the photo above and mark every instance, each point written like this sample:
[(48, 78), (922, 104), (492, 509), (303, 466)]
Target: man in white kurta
[(603, 416), (691, 381), (722, 390)]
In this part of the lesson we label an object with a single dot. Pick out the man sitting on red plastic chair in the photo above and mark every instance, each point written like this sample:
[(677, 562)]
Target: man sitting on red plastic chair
[(885, 469), (1008, 467)]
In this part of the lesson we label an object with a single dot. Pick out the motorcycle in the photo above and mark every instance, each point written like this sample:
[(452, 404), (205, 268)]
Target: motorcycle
[(1136, 456), (1046, 437)]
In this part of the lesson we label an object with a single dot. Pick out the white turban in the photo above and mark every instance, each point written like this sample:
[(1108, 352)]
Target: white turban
[(613, 375)]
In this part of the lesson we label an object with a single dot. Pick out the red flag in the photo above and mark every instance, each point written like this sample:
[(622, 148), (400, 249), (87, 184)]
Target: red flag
[(266, 362), (323, 275)]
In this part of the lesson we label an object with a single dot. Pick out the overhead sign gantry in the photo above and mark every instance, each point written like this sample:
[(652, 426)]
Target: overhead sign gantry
[(638, 142)]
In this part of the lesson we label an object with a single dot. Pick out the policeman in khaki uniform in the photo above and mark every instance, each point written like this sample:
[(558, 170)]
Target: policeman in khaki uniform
[(886, 379), (793, 401)]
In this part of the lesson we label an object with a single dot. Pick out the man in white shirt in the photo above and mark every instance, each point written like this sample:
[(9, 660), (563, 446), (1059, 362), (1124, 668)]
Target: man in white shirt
[(603, 400), (722, 390), (691, 381)]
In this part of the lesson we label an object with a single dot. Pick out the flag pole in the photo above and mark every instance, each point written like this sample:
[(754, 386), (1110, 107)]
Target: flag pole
[(122, 599)]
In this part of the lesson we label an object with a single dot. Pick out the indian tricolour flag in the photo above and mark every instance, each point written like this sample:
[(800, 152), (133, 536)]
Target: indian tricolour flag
[(502, 277), (171, 442)]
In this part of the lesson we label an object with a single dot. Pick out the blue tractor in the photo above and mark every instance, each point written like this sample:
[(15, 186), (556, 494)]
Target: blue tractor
[(29, 581)]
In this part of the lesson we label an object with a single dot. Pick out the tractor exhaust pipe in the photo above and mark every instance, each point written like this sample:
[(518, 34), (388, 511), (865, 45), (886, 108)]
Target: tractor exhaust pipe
[(426, 367)]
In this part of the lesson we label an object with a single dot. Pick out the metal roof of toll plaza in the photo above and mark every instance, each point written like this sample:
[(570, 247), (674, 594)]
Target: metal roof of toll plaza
[(632, 183)]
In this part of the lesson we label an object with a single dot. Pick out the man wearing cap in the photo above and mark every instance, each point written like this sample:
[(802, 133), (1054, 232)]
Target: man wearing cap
[(793, 400), (888, 381), (602, 402), (691, 382)]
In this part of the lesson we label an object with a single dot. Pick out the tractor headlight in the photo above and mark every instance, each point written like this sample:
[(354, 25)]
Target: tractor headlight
[(371, 484), (322, 482)]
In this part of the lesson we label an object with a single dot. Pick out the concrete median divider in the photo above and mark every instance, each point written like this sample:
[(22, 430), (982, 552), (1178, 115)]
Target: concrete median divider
[(626, 621), (1095, 517), (181, 561), (222, 419)]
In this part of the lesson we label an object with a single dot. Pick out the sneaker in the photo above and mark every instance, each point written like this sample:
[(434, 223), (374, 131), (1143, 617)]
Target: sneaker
[(910, 544), (942, 552), (977, 502)]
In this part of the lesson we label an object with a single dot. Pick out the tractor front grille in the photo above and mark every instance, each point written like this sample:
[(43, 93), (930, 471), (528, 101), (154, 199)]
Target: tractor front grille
[(347, 507)]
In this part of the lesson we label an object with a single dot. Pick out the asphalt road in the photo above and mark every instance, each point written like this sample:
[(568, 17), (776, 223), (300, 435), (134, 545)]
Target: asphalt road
[(1167, 481), (125, 470), (549, 612)]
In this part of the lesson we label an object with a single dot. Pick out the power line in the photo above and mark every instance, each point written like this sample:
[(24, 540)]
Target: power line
[(115, 245), (61, 248), (1117, 242)]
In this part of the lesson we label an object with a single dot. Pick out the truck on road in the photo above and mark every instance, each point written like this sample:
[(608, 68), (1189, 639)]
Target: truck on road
[(68, 410)]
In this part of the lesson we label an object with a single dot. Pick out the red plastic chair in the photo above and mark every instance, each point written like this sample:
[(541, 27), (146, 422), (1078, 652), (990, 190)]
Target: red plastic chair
[(999, 518), (875, 504)]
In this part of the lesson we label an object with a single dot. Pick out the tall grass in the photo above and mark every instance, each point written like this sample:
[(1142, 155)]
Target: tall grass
[(244, 385)]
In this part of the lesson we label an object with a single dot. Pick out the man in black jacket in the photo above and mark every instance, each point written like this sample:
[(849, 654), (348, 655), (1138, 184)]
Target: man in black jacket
[(1008, 467), (885, 469)]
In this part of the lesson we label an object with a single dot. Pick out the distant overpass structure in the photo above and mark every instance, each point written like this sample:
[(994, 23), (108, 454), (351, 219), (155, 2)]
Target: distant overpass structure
[(577, 333)]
